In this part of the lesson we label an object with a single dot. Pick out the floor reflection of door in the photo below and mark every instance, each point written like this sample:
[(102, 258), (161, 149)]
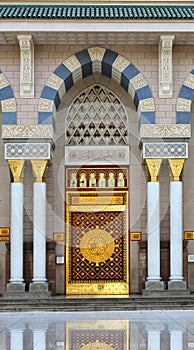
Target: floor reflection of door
[(96, 233), (99, 335)]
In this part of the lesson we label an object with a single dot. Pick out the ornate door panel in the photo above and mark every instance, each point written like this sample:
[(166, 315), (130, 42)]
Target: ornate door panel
[(97, 238)]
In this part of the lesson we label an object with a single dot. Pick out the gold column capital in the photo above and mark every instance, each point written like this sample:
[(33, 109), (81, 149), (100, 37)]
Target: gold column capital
[(153, 167), (16, 167), (39, 168), (176, 168)]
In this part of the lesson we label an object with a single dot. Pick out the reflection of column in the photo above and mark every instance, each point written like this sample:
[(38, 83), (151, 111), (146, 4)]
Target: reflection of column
[(153, 203), (176, 240), (16, 338), (17, 203), (39, 336), (39, 243), (153, 336), (176, 340)]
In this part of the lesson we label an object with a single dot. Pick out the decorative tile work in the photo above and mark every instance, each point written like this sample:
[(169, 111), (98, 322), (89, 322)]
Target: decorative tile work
[(27, 151), (86, 63), (72, 63), (105, 155), (183, 105), (96, 53), (3, 81), (189, 82), (25, 132), (26, 66), (54, 82), (138, 81), (165, 150), (46, 105), (8, 103), (165, 131), (165, 65), (147, 105)]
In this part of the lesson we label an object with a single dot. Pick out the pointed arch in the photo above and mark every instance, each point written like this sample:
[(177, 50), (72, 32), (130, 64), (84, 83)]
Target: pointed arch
[(87, 62), (8, 103), (184, 101)]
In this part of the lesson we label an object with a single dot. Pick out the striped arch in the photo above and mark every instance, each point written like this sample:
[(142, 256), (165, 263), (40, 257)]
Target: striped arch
[(184, 101), (87, 62), (8, 103)]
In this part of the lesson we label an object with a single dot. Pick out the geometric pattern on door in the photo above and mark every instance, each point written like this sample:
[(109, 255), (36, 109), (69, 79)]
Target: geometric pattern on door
[(97, 243), (98, 335)]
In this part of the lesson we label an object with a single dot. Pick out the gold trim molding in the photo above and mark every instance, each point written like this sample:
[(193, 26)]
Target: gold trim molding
[(39, 168), (153, 167), (16, 169), (176, 168)]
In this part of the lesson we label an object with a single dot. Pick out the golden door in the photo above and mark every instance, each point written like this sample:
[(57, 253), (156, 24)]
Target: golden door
[(98, 335), (97, 231)]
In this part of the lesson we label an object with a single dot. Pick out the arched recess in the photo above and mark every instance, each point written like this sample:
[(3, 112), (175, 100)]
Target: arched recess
[(87, 62), (8, 103), (184, 101)]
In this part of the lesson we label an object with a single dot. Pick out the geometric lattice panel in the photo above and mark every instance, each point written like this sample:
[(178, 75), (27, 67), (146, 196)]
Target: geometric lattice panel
[(97, 242), (99, 335), (112, 269), (97, 117)]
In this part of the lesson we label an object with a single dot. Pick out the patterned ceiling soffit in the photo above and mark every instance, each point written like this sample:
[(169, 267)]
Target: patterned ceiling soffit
[(92, 12), (87, 62)]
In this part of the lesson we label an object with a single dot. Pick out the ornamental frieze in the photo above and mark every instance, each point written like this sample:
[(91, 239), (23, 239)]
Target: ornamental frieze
[(106, 155), (165, 131), (165, 150), (20, 131), (27, 151)]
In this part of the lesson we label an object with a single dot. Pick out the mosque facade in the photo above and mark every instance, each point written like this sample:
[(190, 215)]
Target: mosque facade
[(96, 151)]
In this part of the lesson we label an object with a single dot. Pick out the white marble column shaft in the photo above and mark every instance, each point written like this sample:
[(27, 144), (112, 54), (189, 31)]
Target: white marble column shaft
[(17, 203), (176, 340), (153, 203), (176, 232), (153, 340), (16, 339), (39, 244), (39, 339)]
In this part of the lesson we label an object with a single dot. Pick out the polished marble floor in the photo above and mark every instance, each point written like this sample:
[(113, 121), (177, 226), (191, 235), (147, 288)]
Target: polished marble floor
[(134, 330)]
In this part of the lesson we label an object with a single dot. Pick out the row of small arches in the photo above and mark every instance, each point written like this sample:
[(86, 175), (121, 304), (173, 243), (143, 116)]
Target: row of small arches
[(92, 182)]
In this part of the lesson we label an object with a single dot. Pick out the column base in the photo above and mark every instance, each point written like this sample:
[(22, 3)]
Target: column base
[(152, 285), (39, 288), (15, 287), (178, 286)]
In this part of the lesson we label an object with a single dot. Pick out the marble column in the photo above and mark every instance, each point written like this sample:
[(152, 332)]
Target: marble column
[(153, 335), (153, 282), (16, 282), (176, 339), (39, 336), (176, 281), (16, 337), (39, 281)]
